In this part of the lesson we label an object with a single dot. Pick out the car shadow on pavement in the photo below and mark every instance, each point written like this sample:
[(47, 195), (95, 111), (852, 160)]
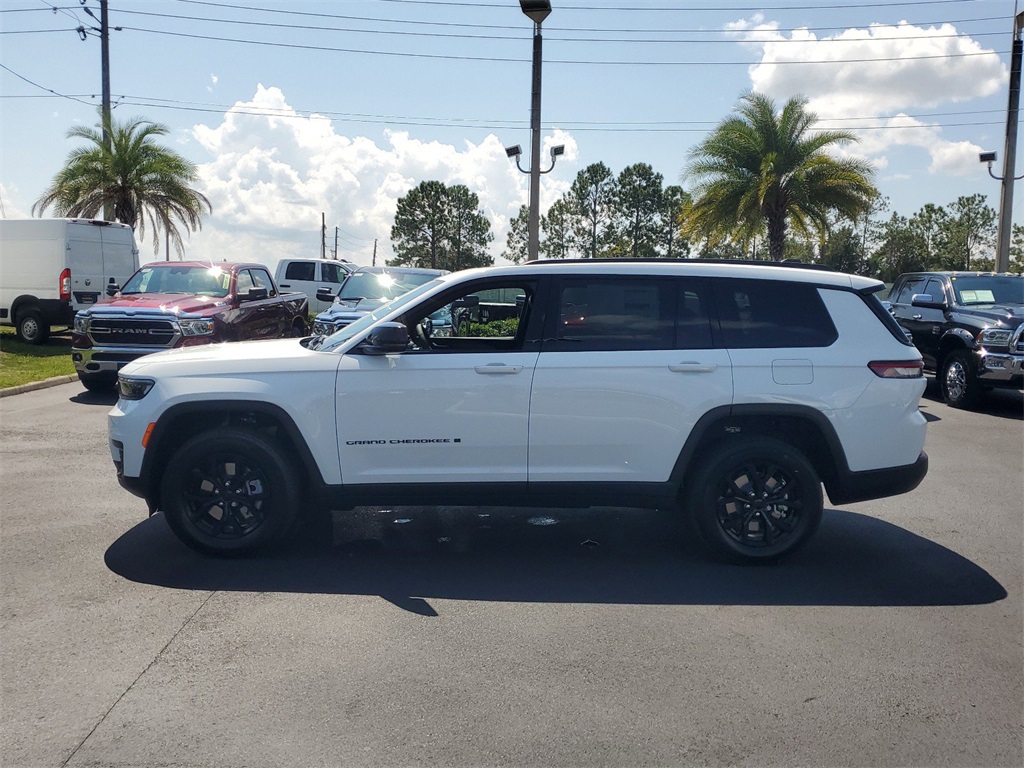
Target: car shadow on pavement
[(410, 555)]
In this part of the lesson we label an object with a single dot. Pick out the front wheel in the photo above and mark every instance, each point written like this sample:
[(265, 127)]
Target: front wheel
[(958, 381), (229, 492), (755, 500)]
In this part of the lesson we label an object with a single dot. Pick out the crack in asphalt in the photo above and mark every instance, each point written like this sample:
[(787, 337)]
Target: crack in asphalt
[(139, 677)]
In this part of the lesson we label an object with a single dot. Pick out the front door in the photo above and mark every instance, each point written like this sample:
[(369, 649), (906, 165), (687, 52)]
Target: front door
[(454, 408)]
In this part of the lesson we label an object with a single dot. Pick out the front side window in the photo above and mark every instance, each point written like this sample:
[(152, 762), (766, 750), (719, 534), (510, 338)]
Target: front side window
[(261, 278), (910, 287), (483, 315), (243, 282), (333, 273), (934, 289)]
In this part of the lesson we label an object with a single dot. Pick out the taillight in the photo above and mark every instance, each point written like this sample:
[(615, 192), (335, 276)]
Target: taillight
[(65, 285), (897, 369)]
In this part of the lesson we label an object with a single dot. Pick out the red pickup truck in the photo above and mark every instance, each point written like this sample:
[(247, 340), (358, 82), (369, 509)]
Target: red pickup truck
[(171, 304)]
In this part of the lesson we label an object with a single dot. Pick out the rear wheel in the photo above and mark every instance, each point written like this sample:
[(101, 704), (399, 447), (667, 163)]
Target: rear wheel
[(755, 500), (958, 381), (30, 327), (229, 492)]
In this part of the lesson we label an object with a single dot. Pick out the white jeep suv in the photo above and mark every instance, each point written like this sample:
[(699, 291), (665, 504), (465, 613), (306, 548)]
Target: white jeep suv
[(731, 391)]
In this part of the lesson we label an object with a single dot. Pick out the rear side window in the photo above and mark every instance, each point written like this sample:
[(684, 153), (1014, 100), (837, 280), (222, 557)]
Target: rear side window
[(772, 314), (630, 314), (301, 270)]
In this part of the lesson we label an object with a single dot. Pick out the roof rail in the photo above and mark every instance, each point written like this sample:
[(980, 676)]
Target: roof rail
[(654, 260)]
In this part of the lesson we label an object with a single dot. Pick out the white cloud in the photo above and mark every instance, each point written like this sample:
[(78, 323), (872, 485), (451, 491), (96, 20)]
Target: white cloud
[(877, 75), (274, 172), (9, 207)]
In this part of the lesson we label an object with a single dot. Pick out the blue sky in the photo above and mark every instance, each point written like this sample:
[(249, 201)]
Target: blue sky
[(339, 107)]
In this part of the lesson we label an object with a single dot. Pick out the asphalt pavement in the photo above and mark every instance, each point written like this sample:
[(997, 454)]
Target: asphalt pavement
[(477, 636)]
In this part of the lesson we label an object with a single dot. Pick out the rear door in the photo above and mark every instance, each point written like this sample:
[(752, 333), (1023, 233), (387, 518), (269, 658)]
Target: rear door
[(85, 260), (120, 256), (626, 368)]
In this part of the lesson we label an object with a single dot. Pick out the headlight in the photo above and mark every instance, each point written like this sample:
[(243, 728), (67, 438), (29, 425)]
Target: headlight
[(323, 329), (81, 324), (133, 389), (995, 337), (202, 327)]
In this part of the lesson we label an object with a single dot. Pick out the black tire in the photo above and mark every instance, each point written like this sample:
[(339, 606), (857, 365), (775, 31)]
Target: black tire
[(754, 500), (958, 380), (229, 492), (98, 382), (30, 327)]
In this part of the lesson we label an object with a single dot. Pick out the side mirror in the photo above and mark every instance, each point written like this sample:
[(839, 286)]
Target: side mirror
[(325, 294), (256, 294), (112, 289), (925, 301), (384, 339)]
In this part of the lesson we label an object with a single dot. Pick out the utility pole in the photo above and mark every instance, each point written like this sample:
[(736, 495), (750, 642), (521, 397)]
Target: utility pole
[(104, 33), (374, 262), (1010, 152), (323, 235), (335, 242)]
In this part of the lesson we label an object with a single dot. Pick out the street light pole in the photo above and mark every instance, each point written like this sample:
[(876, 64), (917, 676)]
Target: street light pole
[(537, 11), (1009, 153)]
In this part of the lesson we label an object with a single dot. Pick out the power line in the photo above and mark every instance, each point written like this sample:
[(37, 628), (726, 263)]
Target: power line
[(517, 37)]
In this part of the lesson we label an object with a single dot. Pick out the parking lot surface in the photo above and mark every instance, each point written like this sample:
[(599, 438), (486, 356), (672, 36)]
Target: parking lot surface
[(469, 636)]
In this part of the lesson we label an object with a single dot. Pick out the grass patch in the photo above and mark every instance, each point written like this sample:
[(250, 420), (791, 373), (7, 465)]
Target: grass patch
[(22, 363)]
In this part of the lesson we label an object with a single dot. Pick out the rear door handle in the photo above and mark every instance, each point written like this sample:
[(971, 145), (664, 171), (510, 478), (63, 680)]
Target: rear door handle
[(689, 367), (498, 368)]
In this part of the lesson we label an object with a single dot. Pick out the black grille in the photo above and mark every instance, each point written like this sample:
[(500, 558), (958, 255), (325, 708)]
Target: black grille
[(135, 333)]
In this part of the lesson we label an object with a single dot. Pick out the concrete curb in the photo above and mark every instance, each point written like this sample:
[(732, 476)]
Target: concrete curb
[(34, 385)]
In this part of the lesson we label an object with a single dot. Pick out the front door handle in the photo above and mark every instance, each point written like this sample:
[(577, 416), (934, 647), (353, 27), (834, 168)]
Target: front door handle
[(498, 368), (689, 367), (915, 317)]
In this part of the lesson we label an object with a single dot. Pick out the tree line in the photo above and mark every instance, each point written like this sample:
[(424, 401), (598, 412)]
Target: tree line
[(763, 185)]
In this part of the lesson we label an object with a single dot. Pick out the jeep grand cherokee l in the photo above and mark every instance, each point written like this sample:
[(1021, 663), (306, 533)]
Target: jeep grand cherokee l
[(730, 391)]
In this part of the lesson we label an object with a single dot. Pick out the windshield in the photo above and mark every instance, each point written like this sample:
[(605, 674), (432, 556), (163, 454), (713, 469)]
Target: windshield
[(335, 340), (989, 289), (380, 285), (199, 281)]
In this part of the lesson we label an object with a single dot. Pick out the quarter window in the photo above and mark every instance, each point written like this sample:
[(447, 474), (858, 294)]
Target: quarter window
[(771, 314)]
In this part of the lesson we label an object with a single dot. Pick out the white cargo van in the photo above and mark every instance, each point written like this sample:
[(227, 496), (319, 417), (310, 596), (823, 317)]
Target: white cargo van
[(310, 275), (51, 268)]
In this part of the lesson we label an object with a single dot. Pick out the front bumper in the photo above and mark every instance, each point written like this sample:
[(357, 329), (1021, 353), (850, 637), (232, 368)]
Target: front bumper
[(98, 360), (1000, 370)]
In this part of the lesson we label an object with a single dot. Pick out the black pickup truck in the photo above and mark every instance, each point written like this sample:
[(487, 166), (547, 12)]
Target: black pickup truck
[(967, 327)]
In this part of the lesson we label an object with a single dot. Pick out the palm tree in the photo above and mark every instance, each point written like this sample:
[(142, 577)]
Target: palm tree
[(132, 174), (764, 168)]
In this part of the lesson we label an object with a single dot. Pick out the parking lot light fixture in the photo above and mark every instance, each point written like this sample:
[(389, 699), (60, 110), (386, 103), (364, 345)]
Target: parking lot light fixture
[(536, 11)]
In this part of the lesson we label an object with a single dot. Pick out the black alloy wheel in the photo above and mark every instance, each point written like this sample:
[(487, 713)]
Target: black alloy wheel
[(229, 492), (755, 500)]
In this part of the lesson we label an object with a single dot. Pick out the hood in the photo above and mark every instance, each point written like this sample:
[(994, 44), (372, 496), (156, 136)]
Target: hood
[(350, 309), (1008, 314), (230, 357), (168, 302)]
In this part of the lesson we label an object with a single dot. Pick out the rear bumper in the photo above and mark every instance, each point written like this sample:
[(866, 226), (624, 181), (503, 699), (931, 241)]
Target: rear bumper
[(877, 483)]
